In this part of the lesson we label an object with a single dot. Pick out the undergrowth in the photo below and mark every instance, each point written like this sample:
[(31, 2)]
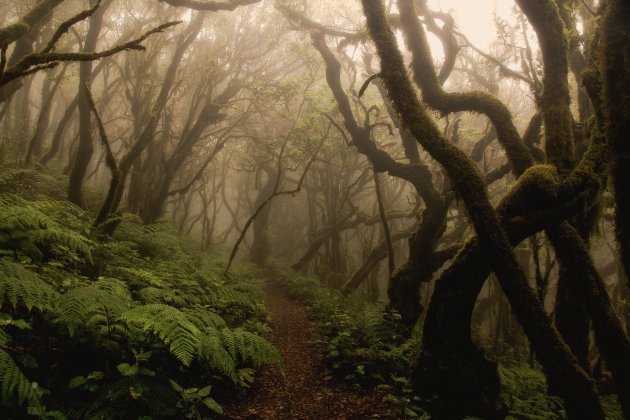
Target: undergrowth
[(362, 345), (132, 326)]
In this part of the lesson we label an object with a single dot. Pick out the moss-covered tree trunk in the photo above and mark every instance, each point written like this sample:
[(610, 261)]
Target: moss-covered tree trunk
[(615, 62), (562, 369), (616, 74), (404, 286)]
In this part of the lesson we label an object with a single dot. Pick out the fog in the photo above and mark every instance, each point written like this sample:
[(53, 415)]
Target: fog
[(459, 168)]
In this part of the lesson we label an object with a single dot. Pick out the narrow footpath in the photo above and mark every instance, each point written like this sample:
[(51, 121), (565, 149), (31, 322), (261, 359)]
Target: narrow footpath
[(305, 393)]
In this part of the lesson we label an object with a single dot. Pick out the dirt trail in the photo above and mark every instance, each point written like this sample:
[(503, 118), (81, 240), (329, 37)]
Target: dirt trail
[(305, 393)]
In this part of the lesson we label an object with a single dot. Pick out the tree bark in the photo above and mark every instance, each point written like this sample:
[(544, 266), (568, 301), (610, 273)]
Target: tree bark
[(562, 369), (615, 56)]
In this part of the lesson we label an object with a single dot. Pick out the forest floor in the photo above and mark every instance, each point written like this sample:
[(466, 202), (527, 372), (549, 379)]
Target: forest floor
[(304, 392)]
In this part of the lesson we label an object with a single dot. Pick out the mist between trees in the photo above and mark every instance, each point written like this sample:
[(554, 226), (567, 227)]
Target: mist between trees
[(160, 157)]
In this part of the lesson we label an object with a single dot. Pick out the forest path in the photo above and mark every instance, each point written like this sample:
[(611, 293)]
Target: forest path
[(305, 393)]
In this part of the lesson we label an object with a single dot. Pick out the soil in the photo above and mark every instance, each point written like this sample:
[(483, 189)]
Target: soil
[(304, 392)]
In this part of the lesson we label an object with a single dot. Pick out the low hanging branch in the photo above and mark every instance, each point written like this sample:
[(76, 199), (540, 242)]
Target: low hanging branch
[(217, 149), (65, 27), (275, 194), (48, 58), (303, 22)]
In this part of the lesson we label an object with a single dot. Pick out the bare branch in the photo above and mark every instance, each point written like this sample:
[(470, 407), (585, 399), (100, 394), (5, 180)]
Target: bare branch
[(505, 70), (275, 193), (65, 26), (39, 61), (306, 23), (211, 6)]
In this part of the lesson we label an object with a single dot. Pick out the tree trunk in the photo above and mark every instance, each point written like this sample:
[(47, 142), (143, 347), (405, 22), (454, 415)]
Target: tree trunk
[(85, 148), (563, 372), (616, 75), (261, 242)]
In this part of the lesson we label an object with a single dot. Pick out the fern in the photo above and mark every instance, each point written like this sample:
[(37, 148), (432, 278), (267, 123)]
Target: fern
[(230, 297), (159, 240), (170, 325), (134, 274), (526, 389), (18, 284), (30, 182), (65, 238), (28, 226), (15, 215), (154, 295), (14, 382), (212, 350), (95, 305), (4, 338), (224, 349), (204, 318)]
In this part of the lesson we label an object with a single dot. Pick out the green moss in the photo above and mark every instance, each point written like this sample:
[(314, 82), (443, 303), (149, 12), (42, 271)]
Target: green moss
[(537, 185)]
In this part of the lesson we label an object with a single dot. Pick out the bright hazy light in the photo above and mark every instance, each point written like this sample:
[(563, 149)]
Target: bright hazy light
[(475, 18)]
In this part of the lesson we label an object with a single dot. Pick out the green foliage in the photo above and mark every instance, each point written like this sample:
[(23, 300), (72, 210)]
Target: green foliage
[(192, 398), (118, 320), (202, 318), (525, 390), (159, 240), (31, 183), (611, 406), (21, 285), (96, 305), (225, 349), (170, 325), (39, 229), (361, 343), (14, 382)]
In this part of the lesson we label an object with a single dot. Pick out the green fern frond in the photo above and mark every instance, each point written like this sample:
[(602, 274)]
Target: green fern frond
[(170, 325), (212, 350), (94, 305), (255, 349), (13, 381), (224, 349), (30, 182), (230, 297), (114, 286), (18, 284), (4, 338), (64, 237), (153, 295), (138, 274), (130, 226), (18, 213), (42, 223), (204, 318)]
